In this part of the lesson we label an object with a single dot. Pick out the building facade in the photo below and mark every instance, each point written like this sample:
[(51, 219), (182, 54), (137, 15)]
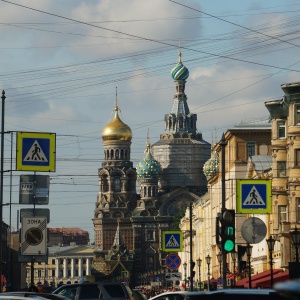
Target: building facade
[(64, 264), (170, 177), (285, 116), (245, 141)]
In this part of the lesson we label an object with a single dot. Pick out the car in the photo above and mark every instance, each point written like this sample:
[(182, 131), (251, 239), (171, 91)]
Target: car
[(137, 295), (179, 295), (95, 290), (289, 289), (7, 296), (244, 294), (35, 295)]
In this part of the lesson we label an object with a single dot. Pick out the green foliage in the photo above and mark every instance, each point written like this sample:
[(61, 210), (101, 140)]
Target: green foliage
[(176, 220)]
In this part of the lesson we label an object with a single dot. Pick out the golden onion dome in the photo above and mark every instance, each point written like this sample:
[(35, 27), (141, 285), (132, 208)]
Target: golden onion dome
[(116, 130)]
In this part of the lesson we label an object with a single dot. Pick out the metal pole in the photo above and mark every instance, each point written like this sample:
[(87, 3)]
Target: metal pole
[(1, 187), (249, 271), (208, 279), (271, 267), (234, 279), (199, 277), (224, 256), (191, 246)]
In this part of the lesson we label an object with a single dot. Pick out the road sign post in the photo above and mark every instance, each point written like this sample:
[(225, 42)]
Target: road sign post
[(253, 196), (172, 241), (36, 151), (34, 236), (173, 261)]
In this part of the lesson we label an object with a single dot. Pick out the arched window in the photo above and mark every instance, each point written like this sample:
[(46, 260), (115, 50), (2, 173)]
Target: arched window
[(111, 154), (117, 184), (122, 153), (104, 184), (117, 154)]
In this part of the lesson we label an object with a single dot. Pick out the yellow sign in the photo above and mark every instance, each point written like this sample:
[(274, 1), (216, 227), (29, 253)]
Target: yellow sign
[(36, 151), (254, 196), (172, 241)]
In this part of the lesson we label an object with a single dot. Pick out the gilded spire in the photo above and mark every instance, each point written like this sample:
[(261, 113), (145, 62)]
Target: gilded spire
[(116, 130)]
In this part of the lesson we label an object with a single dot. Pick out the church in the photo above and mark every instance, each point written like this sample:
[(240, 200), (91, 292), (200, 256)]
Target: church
[(128, 225)]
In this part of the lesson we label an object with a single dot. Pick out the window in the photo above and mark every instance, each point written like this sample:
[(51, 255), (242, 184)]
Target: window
[(89, 292), (250, 148), (281, 168), (117, 182), (150, 235), (297, 158), (282, 214), (281, 129), (297, 114)]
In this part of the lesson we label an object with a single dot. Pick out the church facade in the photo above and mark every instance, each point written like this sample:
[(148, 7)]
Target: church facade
[(170, 178)]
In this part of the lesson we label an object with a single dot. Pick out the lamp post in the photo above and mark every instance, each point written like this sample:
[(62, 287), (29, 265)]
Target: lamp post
[(219, 257), (249, 252), (208, 259), (234, 257), (295, 234), (199, 261), (184, 267), (271, 244)]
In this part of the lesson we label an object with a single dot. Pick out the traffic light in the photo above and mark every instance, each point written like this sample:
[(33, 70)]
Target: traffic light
[(228, 230)]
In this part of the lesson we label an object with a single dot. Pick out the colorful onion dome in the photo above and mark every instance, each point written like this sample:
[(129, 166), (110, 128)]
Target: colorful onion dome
[(116, 130), (180, 72), (148, 168), (211, 167)]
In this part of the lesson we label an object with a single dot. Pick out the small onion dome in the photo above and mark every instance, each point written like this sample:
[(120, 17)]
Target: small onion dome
[(211, 167), (180, 72), (149, 168), (116, 130)]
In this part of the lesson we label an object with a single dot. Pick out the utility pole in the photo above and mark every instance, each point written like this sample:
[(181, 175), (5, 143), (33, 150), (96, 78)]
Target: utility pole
[(1, 188), (191, 247), (223, 144)]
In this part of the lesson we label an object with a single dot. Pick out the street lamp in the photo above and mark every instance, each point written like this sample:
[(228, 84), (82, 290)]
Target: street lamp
[(184, 267), (199, 261), (249, 252), (295, 234), (208, 259), (219, 257), (234, 258), (271, 244)]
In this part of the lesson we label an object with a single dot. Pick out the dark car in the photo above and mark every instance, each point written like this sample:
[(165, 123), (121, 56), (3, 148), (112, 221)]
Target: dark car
[(94, 290)]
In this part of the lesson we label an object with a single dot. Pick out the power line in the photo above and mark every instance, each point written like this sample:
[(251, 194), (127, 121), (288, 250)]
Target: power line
[(149, 39)]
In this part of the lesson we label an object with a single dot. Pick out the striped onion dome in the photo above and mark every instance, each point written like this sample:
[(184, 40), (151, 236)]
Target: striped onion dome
[(211, 167), (180, 72), (148, 168)]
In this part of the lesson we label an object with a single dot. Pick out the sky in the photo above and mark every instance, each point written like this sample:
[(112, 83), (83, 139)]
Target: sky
[(61, 62)]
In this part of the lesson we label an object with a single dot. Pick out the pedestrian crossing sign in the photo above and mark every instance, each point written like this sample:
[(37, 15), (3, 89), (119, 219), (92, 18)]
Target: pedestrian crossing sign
[(172, 241), (36, 151), (253, 196)]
